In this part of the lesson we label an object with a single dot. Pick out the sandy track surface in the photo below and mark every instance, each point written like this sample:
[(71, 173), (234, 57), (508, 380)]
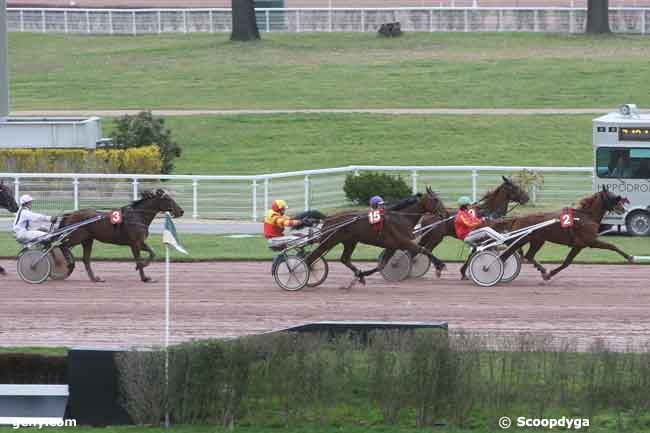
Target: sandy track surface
[(219, 299)]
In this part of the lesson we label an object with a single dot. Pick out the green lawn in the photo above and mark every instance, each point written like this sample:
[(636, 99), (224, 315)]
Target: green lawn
[(213, 247), (275, 143), (339, 70)]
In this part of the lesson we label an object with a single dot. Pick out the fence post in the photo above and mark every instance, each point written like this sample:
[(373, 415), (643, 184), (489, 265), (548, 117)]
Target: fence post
[(184, 21), (430, 20), (195, 199), (87, 21), (17, 187), (571, 19), (414, 182), (466, 18), (75, 185), (22, 21), (268, 20), (110, 22), (643, 22), (474, 180), (535, 20), (43, 20), (254, 200), (534, 194), (297, 20), (211, 21), (65, 21), (135, 188), (266, 193), (307, 192), (363, 20), (159, 23), (499, 25), (133, 19), (329, 19)]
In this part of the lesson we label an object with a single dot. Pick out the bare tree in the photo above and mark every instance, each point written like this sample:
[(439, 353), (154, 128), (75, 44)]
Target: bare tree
[(598, 16), (244, 22)]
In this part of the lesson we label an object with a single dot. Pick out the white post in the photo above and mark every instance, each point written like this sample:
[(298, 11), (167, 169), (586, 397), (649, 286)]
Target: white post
[(474, 179), (329, 18), (534, 194), (306, 192), (195, 199), (43, 20), (135, 189), (297, 20), (266, 194), (414, 182), (159, 23), (431, 20), (75, 184), (65, 21), (254, 200), (87, 22), (133, 22), (268, 21), (363, 20), (466, 18), (17, 187), (22, 21), (110, 22), (167, 326), (571, 18), (184, 21), (643, 22), (536, 20), (211, 22), (499, 24)]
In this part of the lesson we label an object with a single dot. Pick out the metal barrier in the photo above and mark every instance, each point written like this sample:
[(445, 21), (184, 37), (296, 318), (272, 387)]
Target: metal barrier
[(413, 19), (247, 197)]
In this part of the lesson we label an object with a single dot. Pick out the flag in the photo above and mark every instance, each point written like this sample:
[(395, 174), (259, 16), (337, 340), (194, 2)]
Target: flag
[(169, 234)]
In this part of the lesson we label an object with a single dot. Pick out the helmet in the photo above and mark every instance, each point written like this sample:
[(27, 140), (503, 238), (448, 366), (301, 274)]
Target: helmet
[(25, 198), (278, 205), (464, 200), (376, 201)]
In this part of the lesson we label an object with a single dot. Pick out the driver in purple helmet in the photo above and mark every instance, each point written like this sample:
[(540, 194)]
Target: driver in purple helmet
[(376, 212)]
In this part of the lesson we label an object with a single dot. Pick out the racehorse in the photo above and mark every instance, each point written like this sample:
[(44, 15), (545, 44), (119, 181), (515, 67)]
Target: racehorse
[(582, 234), (396, 232), (7, 201), (133, 229), (494, 204)]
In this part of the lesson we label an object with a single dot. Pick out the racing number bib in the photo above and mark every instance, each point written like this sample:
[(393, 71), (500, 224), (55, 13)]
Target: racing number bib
[(566, 218), (116, 217), (374, 217)]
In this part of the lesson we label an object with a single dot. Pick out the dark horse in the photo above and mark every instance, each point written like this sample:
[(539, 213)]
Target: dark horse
[(132, 231), (494, 204), (583, 234), (7, 201), (396, 233)]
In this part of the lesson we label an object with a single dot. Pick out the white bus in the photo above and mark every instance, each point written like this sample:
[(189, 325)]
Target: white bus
[(622, 163)]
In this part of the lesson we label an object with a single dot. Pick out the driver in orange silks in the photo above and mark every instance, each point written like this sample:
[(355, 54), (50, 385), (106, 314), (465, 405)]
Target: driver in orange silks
[(276, 221), (465, 220)]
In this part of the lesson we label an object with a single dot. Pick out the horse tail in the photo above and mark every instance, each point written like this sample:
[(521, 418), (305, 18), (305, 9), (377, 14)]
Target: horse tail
[(313, 214)]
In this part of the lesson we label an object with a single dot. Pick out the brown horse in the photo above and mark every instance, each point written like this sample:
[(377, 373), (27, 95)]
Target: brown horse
[(7, 201), (396, 233), (132, 231), (583, 234), (494, 204)]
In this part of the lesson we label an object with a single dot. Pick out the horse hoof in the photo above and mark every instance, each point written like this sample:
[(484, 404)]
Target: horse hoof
[(3, 272), (98, 280), (463, 277), (362, 280), (546, 276), (439, 271)]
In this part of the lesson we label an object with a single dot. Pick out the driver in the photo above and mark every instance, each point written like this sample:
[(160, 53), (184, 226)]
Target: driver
[(275, 220), (465, 220), (25, 224)]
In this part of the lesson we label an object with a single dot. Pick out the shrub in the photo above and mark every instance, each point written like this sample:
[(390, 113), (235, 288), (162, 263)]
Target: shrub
[(143, 130), (359, 189)]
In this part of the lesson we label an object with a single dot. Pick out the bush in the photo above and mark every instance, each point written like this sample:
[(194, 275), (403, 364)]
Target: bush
[(359, 189), (143, 130)]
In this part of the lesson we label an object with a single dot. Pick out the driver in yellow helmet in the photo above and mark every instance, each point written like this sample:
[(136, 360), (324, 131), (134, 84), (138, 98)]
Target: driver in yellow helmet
[(275, 220)]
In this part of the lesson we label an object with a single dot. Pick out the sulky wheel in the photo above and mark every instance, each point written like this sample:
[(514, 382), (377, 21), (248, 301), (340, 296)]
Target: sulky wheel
[(398, 266), (511, 268), (318, 272), (420, 265), (292, 273), (62, 263), (486, 268), (34, 266)]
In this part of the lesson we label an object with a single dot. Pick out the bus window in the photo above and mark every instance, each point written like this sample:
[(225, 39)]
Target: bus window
[(623, 163)]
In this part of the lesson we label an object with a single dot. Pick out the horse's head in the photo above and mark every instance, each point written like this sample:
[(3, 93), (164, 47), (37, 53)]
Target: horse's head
[(613, 202), (431, 203), (7, 200), (163, 202), (513, 191)]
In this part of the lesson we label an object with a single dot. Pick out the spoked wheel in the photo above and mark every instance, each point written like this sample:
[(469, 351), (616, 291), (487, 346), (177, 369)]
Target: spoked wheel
[(511, 268), (62, 263), (292, 273), (318, 272), (397, 268), (486, 268), (420, 265), (34, 266)]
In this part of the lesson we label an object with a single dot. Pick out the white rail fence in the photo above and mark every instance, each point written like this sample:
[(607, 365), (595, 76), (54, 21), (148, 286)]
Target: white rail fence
[(443, 19), (247, 197)]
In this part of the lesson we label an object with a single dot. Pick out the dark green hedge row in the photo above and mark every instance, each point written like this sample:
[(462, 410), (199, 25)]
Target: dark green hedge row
[(21, 368)]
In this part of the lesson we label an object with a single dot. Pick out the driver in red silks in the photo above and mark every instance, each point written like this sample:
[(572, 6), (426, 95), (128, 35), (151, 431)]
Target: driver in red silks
[(465, 220)]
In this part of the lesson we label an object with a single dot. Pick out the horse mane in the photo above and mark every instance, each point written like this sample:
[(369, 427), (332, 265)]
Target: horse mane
[(405, 202), (588, 202), (145, 195)]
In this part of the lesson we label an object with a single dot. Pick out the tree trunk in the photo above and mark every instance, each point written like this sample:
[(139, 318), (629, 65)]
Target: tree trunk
[(598, 16), (244, 22)]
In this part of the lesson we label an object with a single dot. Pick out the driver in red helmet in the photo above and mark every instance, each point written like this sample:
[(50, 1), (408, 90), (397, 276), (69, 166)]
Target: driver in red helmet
[(275, 220)]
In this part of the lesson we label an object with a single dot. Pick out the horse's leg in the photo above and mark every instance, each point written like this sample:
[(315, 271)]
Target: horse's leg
[(567, 261), (388, 253), (151, 252), (139, 264), (346, 259), (607, 246), (463, 269), (87, 246), (2, 271), (534, 247)]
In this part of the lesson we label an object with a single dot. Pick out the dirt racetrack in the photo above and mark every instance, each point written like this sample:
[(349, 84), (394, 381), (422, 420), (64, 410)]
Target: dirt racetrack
[(235, 298)]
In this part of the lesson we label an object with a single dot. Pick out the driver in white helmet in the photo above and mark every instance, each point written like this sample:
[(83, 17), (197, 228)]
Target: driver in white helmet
[(26, 226)]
